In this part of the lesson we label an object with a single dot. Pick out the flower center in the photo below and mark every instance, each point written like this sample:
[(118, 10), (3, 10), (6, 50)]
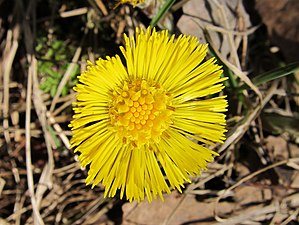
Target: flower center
[(140, 112)]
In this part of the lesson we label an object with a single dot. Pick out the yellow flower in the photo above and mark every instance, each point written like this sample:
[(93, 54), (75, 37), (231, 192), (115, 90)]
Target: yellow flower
[(138, 125), (134, 2)]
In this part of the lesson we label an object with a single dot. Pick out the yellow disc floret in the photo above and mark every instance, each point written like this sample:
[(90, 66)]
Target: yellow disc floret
[(140, 112), (134, 2)]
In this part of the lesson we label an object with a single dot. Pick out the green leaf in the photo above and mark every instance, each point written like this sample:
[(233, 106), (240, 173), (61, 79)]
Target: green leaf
[(276, 73), (46, 87), (52, 73), (75, 71), (163, 10), (43, 67), (64, 91), (273, 74), (277, 124), (60, 57), (54, 137), (52, 81), (49, 53), (53, 90), (57, 44)]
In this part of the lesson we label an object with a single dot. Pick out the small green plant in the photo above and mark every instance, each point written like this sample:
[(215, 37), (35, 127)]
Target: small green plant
[(52, 65)]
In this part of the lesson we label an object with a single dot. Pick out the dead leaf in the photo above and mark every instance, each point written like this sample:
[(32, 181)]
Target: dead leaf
[(251, 194), (277, 147), (212, 15), (158, 212)]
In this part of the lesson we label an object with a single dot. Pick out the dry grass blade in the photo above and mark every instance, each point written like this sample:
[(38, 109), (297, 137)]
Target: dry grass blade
[(240, 129), (102, 7), (45, 181), (236, 70), (12, 44), (9, 55), (293, 216), (34, 91), (37, 217), (2, 184), (92, 214), (221, 171), (75, 12), (250, 176), (261, 210), (229, 34)]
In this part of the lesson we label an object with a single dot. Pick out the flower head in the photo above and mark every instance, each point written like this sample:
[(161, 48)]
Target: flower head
[(138, 125), (134, 2)]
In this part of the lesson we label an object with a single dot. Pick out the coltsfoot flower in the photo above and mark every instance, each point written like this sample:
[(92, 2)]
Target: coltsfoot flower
[(134, 2), (138, 124)]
